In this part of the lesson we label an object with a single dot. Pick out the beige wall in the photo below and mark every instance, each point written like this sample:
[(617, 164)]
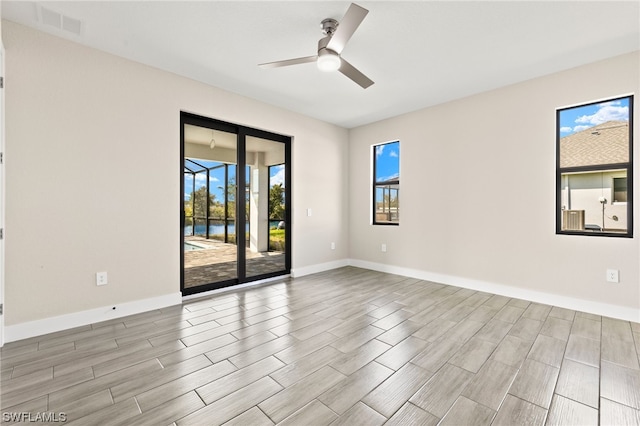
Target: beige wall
[(93, 183), (477, 181), (93, 175)]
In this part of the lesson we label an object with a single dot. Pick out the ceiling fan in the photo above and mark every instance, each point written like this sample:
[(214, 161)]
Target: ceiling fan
[(329, 47)]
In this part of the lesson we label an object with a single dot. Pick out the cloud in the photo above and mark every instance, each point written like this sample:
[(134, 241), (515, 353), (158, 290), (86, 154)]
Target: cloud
[(201, 179), (393, 154), (581, 128), (278, 178), (379, 150), (566, 129), (608, 111)]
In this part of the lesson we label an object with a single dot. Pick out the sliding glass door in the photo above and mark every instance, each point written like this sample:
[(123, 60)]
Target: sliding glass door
[(234, 204)]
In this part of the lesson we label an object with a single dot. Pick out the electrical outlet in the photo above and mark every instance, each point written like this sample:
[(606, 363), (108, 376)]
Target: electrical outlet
[(383, 248), (613, 276), (101, 278)]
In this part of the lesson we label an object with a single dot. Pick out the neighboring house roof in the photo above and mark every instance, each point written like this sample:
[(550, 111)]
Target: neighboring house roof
[(606, 143)]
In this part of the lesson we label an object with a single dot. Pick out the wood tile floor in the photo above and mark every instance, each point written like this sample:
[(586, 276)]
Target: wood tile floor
[(344, 347)]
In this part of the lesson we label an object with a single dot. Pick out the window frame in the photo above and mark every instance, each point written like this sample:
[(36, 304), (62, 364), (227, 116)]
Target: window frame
[(386, 185), (624, 166)]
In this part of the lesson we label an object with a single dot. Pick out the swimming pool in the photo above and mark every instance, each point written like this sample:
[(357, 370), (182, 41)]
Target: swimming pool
[(192, 247)]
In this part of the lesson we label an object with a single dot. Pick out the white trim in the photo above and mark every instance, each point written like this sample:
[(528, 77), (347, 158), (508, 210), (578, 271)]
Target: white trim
[(321, 267), (3, 192), (64, 322), (233, 288), (597, 308)]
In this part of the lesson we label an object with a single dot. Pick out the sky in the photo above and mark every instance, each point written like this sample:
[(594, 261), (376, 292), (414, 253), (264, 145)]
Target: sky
[(387, 161), (579, 118)]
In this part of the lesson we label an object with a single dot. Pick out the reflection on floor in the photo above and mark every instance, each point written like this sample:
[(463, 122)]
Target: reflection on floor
[(215, 261)]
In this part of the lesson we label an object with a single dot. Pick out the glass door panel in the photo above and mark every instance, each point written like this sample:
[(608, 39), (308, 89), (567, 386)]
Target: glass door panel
[(209, 243), (266, 206)]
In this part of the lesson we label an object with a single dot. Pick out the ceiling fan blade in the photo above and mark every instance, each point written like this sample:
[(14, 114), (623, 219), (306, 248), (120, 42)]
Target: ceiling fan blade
[(350, 71), (349, 24), (288, 62)]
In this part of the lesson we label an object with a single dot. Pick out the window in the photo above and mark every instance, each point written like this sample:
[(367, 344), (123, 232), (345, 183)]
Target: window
[(594, 168), (386, 183), (620, 190)]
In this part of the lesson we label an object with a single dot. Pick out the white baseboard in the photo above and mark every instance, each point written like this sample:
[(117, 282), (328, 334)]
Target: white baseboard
[(77, 319), (597, 308), (321, 267), (63, 322)]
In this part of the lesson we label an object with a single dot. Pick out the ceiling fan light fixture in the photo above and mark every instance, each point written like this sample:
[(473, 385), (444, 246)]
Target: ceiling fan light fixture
[(328, 61)]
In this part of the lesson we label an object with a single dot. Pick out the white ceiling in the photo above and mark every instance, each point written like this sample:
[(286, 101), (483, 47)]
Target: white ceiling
[(419, 53)]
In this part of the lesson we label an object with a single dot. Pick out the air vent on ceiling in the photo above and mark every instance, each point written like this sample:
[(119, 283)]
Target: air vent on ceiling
[(53, 19)]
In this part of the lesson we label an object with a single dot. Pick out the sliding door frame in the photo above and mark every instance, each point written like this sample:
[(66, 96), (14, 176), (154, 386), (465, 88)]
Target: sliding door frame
[(241, 132)]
